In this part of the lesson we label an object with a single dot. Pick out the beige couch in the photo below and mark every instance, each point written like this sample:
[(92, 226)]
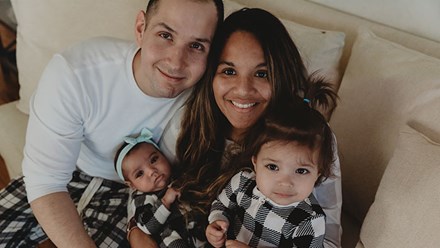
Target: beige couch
[(387, 122)]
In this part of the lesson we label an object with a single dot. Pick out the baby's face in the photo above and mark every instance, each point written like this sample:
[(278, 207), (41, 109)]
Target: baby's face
[(146, 169), (285, 172)]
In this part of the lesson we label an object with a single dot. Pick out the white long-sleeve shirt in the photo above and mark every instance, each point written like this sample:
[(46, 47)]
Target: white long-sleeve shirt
[(87, 101)]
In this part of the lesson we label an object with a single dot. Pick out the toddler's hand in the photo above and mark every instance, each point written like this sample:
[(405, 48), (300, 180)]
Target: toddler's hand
[(170, 196), (216, 233)]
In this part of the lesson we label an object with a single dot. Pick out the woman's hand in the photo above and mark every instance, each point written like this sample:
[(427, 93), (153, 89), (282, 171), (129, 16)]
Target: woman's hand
[(235, 244), (139, 239), (216, 233)]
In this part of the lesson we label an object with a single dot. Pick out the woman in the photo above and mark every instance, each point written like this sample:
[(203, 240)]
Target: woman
[(252, 63)]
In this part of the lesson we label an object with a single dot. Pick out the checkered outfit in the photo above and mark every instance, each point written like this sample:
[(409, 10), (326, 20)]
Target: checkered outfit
[(152, 217), (257, 221), (104, 217)]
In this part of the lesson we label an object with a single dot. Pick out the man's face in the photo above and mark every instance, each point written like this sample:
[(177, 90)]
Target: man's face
[(175, 42)]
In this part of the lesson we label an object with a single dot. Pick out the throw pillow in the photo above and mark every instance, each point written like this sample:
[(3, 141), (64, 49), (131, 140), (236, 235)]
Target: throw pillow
[(381, 86), (48, 26), (418, 17), (406, 209)]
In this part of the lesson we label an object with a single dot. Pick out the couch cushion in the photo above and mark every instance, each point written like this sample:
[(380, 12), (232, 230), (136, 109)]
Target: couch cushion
[(382, 84), (406, 210), (12, 135), (420, 17)]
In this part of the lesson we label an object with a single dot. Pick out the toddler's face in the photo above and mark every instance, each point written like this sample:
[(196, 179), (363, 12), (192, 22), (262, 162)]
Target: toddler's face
[(146, 169), (286, 172)]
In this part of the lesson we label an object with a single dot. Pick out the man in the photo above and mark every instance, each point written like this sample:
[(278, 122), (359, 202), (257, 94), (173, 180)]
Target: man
[(89, 98)]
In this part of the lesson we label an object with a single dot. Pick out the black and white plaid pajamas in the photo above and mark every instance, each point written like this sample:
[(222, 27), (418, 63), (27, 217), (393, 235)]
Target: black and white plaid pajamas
[(168, 227), (258, 222), (104, 218)]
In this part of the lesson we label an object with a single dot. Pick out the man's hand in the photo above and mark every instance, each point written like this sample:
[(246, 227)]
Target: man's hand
[(216, 233), (170, 196), (235, 244)]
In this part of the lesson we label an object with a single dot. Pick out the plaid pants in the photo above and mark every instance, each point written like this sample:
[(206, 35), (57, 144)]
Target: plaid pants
[(104, 217)]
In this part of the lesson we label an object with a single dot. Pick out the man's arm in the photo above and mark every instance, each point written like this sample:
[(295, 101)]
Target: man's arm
[(59, 218), (53, 141)]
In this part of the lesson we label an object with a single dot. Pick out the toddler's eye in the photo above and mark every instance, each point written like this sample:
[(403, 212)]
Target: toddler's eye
[(302, 171), (272, 167)]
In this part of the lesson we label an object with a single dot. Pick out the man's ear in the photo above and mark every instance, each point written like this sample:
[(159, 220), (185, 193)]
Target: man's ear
[(140, 27)]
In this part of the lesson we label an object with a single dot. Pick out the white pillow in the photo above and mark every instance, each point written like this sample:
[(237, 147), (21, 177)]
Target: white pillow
[(48, 26), (383, 83), (417, 17), (320, 49), (406, 210)]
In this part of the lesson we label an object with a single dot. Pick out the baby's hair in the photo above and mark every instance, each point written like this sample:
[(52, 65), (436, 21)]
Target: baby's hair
[(130, 144), (298, 121), (118, 152)]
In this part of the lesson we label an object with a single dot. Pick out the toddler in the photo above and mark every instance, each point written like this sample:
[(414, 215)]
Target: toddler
[(291, 151)]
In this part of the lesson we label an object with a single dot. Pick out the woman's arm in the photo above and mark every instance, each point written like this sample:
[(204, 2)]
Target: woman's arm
[(139, 239)]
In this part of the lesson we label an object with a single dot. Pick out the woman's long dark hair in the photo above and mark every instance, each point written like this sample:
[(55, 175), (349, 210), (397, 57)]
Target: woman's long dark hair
[(202, 139)]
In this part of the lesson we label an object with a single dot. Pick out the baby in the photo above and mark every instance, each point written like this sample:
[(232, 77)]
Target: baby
[(141, 165)]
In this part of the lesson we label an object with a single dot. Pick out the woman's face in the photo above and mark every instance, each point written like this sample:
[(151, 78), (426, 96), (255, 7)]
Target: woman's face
[(241, 87)]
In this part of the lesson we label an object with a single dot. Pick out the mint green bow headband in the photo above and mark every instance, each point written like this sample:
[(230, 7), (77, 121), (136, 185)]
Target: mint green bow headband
[(145, 136)]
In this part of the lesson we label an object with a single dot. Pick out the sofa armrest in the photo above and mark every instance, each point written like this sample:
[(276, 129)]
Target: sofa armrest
[(13, 125)]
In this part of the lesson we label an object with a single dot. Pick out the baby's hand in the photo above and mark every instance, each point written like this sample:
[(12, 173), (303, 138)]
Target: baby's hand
[(216, 233), (170, 196), (235, 244)]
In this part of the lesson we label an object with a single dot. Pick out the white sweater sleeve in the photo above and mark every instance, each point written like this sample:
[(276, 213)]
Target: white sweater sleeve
[(54, 132), (329, 196)]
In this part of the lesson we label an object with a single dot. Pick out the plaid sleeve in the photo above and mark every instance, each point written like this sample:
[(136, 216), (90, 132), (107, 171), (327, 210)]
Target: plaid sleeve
[(227, 199), (310, 233), (171, 238), (150, 213)]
